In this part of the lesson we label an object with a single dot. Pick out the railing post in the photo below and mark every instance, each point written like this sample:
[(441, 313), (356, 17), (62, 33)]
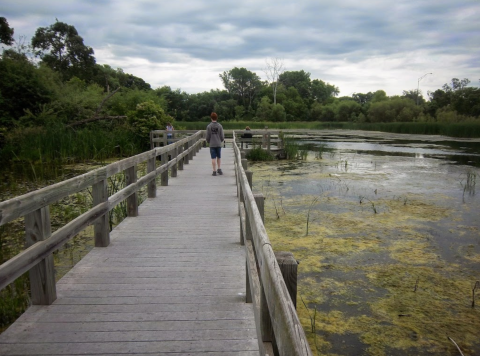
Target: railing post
[(248, 228), (289, 266), (164, 175), (132, 200), (180, 161), (101, 226), (174, 167), (42, 276), (187, 156), (165, 139), (190, 154), (152, 185), (260, 201)]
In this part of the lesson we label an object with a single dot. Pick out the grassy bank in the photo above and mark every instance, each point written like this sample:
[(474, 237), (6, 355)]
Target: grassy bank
[(467, 130)]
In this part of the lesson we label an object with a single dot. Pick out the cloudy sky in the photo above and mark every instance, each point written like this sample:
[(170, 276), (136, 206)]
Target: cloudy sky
[(357, 45)]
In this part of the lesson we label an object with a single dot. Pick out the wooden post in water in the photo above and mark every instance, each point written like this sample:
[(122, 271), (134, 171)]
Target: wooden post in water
[(152, 185), (289, 266), (42, 276), (132, 200), (101, 226)]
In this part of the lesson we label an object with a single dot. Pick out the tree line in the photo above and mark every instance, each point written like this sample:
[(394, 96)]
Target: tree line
[(55, 81)]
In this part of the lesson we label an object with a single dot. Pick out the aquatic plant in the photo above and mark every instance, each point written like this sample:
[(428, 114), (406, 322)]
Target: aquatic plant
[(303, 154), (314, 201), (313, 322), (259, 154), (290, 147)]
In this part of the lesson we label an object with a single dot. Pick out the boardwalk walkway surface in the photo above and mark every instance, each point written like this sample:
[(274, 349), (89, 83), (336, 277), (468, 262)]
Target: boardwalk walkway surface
[(172, 281)]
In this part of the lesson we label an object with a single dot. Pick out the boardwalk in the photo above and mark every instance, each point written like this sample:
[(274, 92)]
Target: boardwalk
[(172, 281)]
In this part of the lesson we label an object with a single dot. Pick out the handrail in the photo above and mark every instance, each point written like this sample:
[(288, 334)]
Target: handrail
[(34, 206), (270, 286)]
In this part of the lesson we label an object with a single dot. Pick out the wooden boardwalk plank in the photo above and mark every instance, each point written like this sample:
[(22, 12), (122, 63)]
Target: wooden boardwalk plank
[(172, 281)]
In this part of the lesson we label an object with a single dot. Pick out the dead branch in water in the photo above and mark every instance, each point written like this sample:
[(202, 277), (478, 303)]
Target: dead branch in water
[(458, 348), (477, 284), (416, 285)]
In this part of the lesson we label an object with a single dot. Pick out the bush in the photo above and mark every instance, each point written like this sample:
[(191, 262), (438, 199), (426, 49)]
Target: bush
[(259, 154)]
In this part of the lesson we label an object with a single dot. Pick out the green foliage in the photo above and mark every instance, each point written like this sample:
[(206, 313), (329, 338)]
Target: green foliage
[(61, 48), (259, 154), (148, 116), (6, 33), (264, 109), (21, 88), (278, 113), (241, 84), (394, 110)]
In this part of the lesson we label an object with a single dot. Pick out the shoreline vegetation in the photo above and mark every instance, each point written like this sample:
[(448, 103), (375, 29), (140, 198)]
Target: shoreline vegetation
[(456, 130), (37, 148)]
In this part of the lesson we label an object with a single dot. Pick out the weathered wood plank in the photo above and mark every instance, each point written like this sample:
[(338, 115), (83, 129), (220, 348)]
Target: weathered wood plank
[(196, 346), (166, 284)]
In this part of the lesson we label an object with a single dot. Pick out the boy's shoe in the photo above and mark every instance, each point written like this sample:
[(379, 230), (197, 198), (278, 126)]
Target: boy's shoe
[(219, 171), (214, 173)]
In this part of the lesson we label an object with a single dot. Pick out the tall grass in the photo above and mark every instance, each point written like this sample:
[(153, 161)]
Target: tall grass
[(58, 144)]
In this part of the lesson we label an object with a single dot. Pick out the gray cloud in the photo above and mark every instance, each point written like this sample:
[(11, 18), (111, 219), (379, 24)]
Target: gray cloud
[(377, 44)]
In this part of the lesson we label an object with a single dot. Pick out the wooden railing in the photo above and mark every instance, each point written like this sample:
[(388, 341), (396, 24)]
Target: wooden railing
[(278, 327), (266, 139), (34, 206)]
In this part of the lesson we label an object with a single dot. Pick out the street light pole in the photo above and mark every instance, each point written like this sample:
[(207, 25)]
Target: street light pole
[(418, 84)]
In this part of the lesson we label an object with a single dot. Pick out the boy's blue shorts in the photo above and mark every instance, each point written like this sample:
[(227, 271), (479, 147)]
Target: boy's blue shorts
[(215, 152)]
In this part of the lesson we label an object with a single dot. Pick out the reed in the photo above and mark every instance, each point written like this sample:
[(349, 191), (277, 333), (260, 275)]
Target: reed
[(58, 144)]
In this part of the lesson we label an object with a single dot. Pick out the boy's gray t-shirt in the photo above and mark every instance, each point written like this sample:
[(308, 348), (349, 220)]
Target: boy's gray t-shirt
[(215, 135)]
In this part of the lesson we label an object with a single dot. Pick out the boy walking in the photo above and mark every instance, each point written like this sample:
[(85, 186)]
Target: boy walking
[(215, 138)]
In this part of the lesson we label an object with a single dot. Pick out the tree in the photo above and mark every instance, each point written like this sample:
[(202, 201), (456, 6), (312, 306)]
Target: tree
[(346, 110), (242, 84), (264, 109), (456, 85), (362, 98), (278, 113), (300, 80), (6, 33), (273, 71), (61, 48), (146, 117), (394, 110), (21, 88), (322, 91)]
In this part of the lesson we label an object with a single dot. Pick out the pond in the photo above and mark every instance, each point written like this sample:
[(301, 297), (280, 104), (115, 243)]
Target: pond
[(387, 232)]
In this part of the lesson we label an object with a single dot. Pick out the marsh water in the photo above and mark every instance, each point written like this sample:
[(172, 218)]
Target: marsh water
[(386, 228)]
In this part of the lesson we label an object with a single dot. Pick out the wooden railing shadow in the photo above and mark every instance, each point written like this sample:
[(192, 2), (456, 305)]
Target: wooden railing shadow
[(278, 326), (37, 258)]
